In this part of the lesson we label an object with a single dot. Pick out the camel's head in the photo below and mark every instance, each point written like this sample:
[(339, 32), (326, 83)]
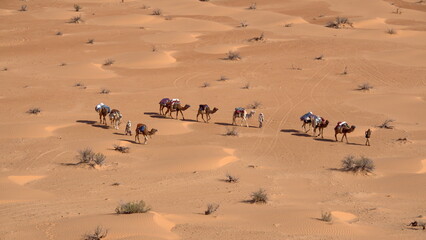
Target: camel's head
[(326, 122), (252, 112), (153, 131)]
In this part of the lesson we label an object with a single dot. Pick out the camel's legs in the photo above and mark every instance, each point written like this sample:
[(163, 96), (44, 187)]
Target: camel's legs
[(335, 136), (181, 112), (146, 139), (197, 115), (208, 117), (137, 136), (161, 109), (233, 120), (345, 137)]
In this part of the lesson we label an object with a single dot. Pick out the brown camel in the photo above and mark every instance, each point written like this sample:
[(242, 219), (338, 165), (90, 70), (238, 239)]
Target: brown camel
[(319, 123), (343, 127), (143, 129), (177, 107), (163, 104), (242, 113), (102, 115), (115, 116), (205, 109)]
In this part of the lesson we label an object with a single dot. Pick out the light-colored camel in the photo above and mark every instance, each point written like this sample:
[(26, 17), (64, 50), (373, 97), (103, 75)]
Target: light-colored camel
[(143, 129), (320, 124), (242, 113), (343, 129), (115, 117), (177, 107), (204, 109), (306, 121), (163, 104)]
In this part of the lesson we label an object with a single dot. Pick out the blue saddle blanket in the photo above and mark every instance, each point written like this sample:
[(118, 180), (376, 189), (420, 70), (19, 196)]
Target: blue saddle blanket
[(203, 107), (142, 128)]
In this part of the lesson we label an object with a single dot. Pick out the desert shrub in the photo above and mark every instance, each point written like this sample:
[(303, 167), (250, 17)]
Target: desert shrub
[(109, 62), (115, 184), (104, 91), (59, 33), (231, 132), (345, 71), (205, 84), (259, 38), (232, 179), (211, 208), (85, 155), (259, 196), (254, 105), (397, 11), (156, 11), (90, 41), (243, 24), (99, 159), (77, 7), (233, 55), (252, 6), (79, 84), (98, 234), (223, 78), (386, 124), (339, 22), (391, 31), (23, 8), (121, 149), (5, 69), (363, 164), (320, 57), (63, 64), (34, 111), (365, 87), (132, 207), (76, 19), (288, 25), (326, 217), (246, 86), (295, 68)]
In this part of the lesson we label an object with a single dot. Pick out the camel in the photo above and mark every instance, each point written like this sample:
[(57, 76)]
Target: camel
[(103, 110), (143, 129), (242, 113), (306, 121), (115, 117), (205, 109), (176, 107), (319, 123), (343, 127), (163, 103)]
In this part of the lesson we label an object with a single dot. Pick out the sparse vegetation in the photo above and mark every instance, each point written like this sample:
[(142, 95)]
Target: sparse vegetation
[(340, 22), (109, 62), (80, 85), (320, 57), (5, 69), (168, 18), (99, 159), (116, 184), (154, 48), (23, 8), (363, 164), (386, 124), (252, 6), (397, 11), (132, 207), (90, 41), (254, 105), (62, 64), (156, 12), (77, 7), (105, 91), (365, 87), (257, 39), (223, 78), (34, 111), (87, 156), (295, 68), (59, 33), (326, 217), (243, 24), (259, 196), (231, 132), (205, 84), (76, 19), (211, 208), (246, 86), (345, 71), (98, 234), (231, 179), (288, 25), (233, 55), (121, 149), (391, 31)]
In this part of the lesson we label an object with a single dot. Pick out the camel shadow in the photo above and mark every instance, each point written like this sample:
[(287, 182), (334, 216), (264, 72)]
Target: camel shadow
[(121, 134), (289, 130), (356, 144), (90, 122), (224, 124), (150, 113), (336, 169), (188, 120), (301, 134), (324, 140), (130, 141), (100, 126), (157, 116)]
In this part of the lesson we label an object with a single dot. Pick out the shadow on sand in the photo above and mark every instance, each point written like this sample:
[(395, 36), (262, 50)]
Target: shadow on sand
[(130, 141), (93, 124), (224, 124), (324, 140), (151, 113), (289, 130)]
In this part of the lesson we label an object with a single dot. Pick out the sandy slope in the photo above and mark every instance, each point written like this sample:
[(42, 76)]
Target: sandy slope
[(44, 195)]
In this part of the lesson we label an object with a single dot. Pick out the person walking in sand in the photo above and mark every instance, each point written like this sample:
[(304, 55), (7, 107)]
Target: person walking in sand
[(367, 137), (261, 119)]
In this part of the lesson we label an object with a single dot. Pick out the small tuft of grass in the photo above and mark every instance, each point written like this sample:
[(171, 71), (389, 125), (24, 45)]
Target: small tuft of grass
[(104, 91), (156, 12), (326, 217), (132, 207), (145, 6), (243, 24), (98, 234), (259, 196), (204, 0), (231, 132), (320, 57), (80, 85), (252, 6), (345, 71), (223, 78), (254, 105), (23, 8), (63, 64), (246, 86), (5, 69), (154, 48), (295, 68), (397, 11), (340, 22), (362, 165), (99, 159), (121, 149), (59, 34), (257, 39), (364, 87), (77, 7), (168, 18), (288, 25), (109, 62), (211, 208), (116, 184), (76, 19), (87, 156), (231, 179), (233, 55), (90, 41), (386, 124), (205, 84), (34, 111), (391, 31)]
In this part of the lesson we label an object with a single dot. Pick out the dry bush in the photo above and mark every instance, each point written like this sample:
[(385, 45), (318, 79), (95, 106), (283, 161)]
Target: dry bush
[(365, 87), (99, 159), (77, 7), (252, 6), (109, 62), (205, 84), (223, 78), (76, 19), (391, 31), (5, 69), (233, 55), (23, 8), (243, 24), (397, 11), (363, 164), (326, 217), (59, 33), (121, 149), (254, 105), (104, 91), (97, 235), (156, 12), (232, 179), (90, 41), (62, 64), (231, 132), (211, 208), (295, 68), (345, 71), (320, 57), (259, 196), (87, 156), (246, 86), (115, 184), (288, 25), (257, 39), (132, 207), (34, 111), (80, 85), (340, 22), (145, 6), (386, 124)]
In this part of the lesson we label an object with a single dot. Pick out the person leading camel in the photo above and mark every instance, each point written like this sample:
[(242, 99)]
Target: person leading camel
[(343, 128), (143, 129), (205, 109), (242, 113), (367, 137), (261, 118), (128, 128)]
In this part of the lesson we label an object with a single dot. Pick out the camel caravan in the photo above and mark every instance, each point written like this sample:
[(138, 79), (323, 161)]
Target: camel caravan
[(309, 120)]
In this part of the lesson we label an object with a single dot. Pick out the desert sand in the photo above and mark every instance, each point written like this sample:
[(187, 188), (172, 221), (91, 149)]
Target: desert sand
[(46, 62)]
